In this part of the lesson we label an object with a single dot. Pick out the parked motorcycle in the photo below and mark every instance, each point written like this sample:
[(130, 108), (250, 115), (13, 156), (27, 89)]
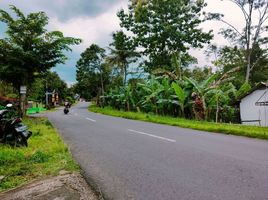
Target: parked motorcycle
[(12, 130)]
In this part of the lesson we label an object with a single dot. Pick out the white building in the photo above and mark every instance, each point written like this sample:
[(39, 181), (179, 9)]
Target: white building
[(254, 106)]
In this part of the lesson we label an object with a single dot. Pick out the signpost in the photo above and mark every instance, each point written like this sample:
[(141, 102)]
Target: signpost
[(23, 90)]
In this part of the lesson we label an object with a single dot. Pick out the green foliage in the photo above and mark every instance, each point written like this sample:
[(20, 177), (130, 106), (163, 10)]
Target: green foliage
[(232, 129), (39, 157), (8, 157), (46, 155), (122, 54), (229, 58), (50, 82), (29, 49), (92, 73), (7, 90), (251, 37), (181, 95), (164, 28), (209, 98), (202, 88), (243, 89)]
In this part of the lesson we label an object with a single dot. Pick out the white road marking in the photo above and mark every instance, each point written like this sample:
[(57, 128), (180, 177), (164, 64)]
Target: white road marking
[(91, 119), (151, 135)]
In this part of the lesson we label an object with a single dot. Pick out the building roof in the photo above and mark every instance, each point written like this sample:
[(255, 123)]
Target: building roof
[(4, 99), (258, 86)]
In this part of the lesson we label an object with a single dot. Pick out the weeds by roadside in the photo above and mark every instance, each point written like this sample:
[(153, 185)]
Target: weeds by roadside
[(232, 129), (46, 155)]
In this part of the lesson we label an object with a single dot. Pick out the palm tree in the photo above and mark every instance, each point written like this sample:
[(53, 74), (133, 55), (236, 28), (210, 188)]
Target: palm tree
[(122, 54)]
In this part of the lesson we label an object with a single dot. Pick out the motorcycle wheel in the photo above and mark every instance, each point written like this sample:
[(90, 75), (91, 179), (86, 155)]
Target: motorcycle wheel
[(20, 140), (65, 111)]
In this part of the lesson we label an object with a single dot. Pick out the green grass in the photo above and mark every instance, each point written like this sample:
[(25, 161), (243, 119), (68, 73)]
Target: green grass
[(45, 155), (232, 129)]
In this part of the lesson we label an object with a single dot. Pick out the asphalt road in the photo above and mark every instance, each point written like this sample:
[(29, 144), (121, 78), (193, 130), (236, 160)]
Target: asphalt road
[(127, 159)]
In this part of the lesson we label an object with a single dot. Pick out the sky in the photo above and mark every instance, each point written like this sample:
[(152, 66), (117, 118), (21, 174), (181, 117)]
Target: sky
[(94, 21)]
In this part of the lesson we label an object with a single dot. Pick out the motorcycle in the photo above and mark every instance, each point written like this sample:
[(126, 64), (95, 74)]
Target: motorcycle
[(66, 110), (67, 105), (12, 130)]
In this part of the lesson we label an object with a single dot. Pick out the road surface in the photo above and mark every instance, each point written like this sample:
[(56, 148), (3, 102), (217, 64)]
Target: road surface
[(128, 159)]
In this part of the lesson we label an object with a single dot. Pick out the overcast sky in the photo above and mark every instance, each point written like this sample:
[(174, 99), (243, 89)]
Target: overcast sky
[(95, 20)]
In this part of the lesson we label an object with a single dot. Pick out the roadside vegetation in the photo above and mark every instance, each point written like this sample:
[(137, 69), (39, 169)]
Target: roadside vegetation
[(148, 66), (232, 129), (46, 155), (152, 70)]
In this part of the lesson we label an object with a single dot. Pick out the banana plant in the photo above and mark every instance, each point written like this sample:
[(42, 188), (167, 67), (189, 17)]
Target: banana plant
[(151, 93), (129, 97), (220, 97), (202, 88), (181, 96), (211, 82), (165, 100)]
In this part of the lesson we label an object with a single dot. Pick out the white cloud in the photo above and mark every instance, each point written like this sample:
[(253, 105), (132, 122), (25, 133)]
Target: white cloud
[(90, 29)]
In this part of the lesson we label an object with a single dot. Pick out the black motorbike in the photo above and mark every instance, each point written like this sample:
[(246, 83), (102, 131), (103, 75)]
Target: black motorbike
[(67, 106), (12, 130), (66, 110)]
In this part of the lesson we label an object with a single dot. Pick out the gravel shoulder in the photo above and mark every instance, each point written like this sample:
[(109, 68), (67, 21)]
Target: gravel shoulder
[(66, 186)]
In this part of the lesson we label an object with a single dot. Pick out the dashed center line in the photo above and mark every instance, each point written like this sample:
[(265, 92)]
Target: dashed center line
[(151, 135), (91, 119)]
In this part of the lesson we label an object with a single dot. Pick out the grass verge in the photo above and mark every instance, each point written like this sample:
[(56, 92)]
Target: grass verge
[(45, 155), (233, 129)]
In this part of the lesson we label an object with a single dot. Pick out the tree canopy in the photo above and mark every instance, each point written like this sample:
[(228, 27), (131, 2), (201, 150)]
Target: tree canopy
[(28, 48), (122, 53), (251, 38), (162, 28), (91, 72)]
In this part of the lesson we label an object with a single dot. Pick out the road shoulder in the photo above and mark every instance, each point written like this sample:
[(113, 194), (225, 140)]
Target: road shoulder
[(65, 186)]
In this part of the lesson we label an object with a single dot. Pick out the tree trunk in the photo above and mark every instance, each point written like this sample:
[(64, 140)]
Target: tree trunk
[(182, 111), (248, 40), (125, 74), (205, 114), (217, 111), (248, 70), (128, 106), (102, 85)]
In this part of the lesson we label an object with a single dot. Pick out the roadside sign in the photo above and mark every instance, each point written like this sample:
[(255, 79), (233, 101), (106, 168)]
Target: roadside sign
[(23, 89)]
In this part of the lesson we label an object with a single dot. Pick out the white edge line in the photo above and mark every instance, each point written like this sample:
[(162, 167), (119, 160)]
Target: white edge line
[(151, 135), (91, 119)]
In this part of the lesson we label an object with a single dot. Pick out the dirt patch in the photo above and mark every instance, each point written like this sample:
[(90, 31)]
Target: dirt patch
[(67, 186)]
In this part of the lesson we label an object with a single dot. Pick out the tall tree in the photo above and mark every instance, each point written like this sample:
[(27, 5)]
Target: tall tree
[(29, 49), (255, 13), (122, 53), (164, 28), (91, 71), (228, 58), (50, 82)]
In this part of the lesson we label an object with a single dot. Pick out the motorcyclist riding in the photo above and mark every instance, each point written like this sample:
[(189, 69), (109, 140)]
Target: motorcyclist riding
[(67, 105)]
